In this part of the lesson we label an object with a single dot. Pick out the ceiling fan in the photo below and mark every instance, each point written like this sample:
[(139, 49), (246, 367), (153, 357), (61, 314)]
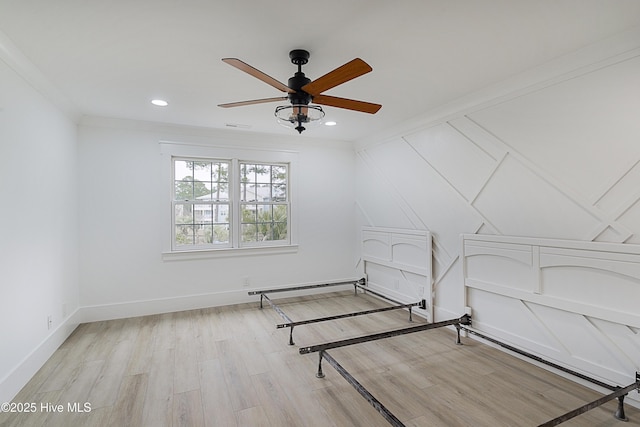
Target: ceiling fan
[(301, 91)]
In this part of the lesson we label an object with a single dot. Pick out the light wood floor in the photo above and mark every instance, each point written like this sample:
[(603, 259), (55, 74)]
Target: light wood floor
[(230, 366)]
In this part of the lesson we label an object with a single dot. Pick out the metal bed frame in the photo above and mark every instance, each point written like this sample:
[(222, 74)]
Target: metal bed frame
[(322, 350), (357, 284), (617, 392), (460, 323)]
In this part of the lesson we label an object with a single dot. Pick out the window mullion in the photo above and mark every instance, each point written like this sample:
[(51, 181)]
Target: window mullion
[(236, 215)]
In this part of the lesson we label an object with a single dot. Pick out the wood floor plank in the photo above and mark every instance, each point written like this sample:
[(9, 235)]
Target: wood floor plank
[(345, 407), (128, 409), (158, 402), (109, 333), (164, 331), (187, 409), (143, 347), (69, 366), (216, 401), (35, 416), (237, 380), (253, 417), (99, 417), (277, 407), (186, 369), (295, 379), (107, 385), (206, 348), (36, 382), (131, 327)]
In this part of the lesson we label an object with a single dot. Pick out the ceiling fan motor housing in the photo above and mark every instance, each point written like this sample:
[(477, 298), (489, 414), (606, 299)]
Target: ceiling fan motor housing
[(299, 57), (299, 96)]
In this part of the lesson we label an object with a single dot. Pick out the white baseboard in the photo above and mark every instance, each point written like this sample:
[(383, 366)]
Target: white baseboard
[(123, 310), (11, 384), (95, 313)]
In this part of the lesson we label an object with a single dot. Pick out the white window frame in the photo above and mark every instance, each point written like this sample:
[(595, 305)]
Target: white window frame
[(238, 204), (171, 150), (175, 202)]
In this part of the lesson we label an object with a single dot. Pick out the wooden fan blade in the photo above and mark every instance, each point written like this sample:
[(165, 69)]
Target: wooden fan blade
[(252, 102), (243, 66), (342, 74), (349, 104)]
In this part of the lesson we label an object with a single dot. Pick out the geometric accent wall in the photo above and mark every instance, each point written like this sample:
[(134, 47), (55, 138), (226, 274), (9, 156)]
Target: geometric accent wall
[(560, 160)]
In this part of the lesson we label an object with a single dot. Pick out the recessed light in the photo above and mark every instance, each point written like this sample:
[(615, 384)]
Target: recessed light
[(330, 123), (160, 102)]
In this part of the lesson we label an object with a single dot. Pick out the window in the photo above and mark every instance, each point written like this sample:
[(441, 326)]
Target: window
[(229, 203), (200, 203), (263, 202)]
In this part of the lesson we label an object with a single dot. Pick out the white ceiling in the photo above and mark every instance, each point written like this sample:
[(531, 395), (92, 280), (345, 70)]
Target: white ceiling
[(110, 58)]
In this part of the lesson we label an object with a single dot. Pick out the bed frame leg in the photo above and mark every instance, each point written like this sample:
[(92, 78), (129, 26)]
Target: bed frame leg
[(458, 342), (320, 374), (291, 336), (361, 282), (410, 315), (620, 411), (261, 298)]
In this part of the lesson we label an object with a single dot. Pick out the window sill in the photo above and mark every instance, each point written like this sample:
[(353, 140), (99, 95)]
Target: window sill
[(228, 252)]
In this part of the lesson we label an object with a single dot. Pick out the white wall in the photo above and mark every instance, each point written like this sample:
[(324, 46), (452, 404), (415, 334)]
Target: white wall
[(551, 153), (38, 229), (123, 206)]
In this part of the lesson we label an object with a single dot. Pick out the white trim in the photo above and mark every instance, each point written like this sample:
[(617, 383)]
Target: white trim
[(217, 150), (616, 316), (11, 55), (228, 252), (19, 376), (129, 309), (612, 50), (622, 248)]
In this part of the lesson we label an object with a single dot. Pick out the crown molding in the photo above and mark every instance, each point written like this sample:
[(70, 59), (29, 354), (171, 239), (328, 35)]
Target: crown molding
[(612, 50), (11, 55)]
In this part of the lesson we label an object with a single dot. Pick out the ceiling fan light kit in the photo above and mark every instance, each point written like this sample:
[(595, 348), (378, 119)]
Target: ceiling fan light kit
[(297, 115), (301, 91)]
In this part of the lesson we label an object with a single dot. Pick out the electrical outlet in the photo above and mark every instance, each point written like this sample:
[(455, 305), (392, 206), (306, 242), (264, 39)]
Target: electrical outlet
[(49, 321), (246, 282), (396, 284)]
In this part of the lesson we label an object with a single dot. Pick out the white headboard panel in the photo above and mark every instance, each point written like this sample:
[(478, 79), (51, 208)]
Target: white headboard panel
[(572, 302), (397, 263)]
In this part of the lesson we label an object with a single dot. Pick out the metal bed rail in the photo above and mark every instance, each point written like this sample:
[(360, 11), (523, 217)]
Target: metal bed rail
[(382, 410), (616, 391), (619, 414), (305, 287), (463, 320), (357, 284)]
